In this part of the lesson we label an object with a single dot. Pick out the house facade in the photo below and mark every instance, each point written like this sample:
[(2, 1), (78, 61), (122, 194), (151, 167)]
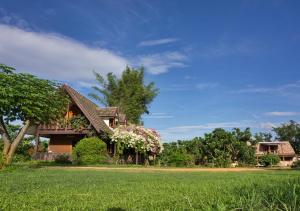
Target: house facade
[(83, 118), (281, 148)]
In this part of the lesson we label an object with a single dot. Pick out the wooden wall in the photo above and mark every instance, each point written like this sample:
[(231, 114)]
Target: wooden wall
[(61, 143)]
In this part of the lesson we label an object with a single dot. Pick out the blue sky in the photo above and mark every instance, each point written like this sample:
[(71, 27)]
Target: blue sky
[(217, 63)]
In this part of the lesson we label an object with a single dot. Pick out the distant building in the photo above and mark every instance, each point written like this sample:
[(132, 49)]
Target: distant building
[(281, 148)]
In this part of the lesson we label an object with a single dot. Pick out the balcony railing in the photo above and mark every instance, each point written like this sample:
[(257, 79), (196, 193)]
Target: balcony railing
[(56, 127)]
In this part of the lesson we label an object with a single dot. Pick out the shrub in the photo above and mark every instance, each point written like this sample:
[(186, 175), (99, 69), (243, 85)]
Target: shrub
[(296, 164), (62, 159), (269, 160), (90, 151)]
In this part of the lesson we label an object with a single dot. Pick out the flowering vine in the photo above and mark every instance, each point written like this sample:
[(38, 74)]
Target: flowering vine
[(143, 140)]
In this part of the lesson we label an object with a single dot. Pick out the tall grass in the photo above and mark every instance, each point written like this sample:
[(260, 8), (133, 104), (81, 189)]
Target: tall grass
[(45, 189)]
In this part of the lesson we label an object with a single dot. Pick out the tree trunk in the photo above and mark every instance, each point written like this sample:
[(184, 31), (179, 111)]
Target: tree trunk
[(6, 140), (13, 146), (37, 142), (136, 158)]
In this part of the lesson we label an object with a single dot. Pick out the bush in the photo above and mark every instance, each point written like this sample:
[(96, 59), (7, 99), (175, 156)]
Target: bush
[(296, 164), (62, 159), (90, 151), (269, 160)]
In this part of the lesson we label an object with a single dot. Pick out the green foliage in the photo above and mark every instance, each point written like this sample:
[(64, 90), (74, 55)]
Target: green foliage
[(289, 132), (28, 189), (29, 99), (129, 93), (296, 164), (269, 160), (6, 69), (23, 152), (263, 137), (26, 97), (176, 155), (219, 148), (79, 122), (90, 151), (62, 159)]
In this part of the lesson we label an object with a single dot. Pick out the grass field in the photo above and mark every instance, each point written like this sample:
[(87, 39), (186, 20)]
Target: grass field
[(77, 189)]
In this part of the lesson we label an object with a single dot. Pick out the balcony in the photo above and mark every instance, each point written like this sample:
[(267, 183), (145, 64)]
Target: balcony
[(56, 128)]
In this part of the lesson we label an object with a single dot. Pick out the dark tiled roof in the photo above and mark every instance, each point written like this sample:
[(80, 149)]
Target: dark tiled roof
[(107, 112), (89, 109), (284, 148)]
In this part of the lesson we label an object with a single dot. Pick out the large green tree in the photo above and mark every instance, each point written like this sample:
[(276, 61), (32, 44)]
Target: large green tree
[(289, 132), (29, 99), (129, 93)]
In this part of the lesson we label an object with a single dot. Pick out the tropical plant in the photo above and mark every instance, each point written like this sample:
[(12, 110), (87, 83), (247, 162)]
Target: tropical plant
[(90, 151), (129, 93), (269, 160), (29, 99)]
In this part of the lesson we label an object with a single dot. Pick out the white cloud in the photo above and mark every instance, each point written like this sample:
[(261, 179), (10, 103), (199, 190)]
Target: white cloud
[(282, 113), (54, 56), (12, 18), (227, 47), (202, 86), (162, 62), (284, 89), (84, 84), (157, 42)]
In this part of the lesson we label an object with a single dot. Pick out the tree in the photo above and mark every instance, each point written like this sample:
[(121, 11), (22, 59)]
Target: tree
[(29, 99), (289, 132), (129, 93), (263, 137)]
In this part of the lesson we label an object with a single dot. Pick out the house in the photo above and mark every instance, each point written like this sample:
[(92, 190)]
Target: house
[(94, 120), (281, 148)]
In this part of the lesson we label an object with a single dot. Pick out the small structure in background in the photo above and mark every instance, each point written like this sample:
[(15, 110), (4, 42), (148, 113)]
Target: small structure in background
[(281, 148)]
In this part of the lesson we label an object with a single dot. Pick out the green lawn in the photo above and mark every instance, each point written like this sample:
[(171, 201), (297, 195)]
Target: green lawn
[(62, 189)]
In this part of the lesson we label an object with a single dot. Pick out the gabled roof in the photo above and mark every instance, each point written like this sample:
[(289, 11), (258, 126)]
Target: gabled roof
[(284, 148), (107, 112), (88, 108)]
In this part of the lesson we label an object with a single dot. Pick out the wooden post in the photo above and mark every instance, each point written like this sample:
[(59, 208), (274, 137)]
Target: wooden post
[(136, 158)]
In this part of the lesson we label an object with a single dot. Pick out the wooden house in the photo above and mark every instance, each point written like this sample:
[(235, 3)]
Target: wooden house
[(97, 121), (281, 148)]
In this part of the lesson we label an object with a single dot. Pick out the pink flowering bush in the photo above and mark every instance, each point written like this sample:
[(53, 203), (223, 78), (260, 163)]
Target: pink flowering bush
[(143, 140)]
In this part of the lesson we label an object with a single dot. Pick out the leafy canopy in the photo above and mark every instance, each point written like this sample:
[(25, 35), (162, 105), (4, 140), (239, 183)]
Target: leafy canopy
[(26, 97), (289, 132), (129, 93)]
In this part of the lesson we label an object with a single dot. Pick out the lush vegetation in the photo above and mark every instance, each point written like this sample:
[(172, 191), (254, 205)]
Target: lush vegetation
[(269, 160), (289, 132), (90, 151), (129, 93), (46, 189), (219, 148), (29, 99)]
